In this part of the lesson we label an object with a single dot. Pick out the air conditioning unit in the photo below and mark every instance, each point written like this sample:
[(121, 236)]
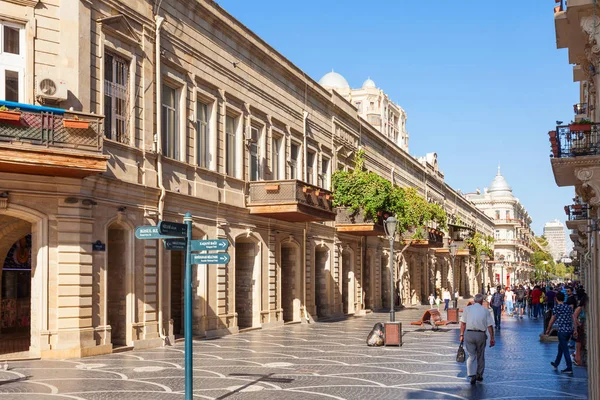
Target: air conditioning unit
[(49, 88)]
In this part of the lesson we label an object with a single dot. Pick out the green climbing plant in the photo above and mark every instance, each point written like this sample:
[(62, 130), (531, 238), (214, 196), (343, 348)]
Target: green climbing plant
[(367, 192), (480, 244)]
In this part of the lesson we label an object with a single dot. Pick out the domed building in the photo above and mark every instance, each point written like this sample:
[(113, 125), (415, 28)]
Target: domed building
[(512, 234), (372, 105)]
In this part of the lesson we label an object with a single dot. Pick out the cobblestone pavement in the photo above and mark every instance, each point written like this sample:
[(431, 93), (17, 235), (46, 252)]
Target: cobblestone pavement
[(312, 361)]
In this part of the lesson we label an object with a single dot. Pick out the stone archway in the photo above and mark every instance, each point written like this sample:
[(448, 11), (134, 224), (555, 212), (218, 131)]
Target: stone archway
[(119, 280), (290, 263), (247, 282), (323, 283), (26, 229)]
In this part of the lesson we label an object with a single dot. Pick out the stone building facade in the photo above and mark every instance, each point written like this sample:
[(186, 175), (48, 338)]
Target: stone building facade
[(575, 157), (129, 115), (513, 236)]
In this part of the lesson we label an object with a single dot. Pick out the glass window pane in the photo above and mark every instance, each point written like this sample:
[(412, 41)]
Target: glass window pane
[(11, 84), (11, 40), (108, 67)]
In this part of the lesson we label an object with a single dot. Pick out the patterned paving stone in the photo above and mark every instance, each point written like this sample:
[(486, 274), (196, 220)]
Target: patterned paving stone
[(316, 361)]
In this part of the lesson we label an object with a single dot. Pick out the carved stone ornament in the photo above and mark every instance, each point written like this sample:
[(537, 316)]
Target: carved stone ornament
[(591, 26), (590, 181)]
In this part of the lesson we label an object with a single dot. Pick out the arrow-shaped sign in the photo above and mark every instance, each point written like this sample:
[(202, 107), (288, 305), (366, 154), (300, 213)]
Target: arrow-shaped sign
[(219, 258), (149, 232), (174, 244), (201, 245)]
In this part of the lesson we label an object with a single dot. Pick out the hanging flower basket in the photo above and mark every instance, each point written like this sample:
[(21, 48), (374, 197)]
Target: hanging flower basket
[(76, 124), (12, 116)]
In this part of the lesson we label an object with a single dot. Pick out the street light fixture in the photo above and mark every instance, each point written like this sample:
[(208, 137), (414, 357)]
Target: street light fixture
[(452, 250), (390, 231), (483, 257)]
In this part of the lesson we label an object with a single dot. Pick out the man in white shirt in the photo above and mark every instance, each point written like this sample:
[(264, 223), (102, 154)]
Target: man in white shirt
[(474, 323)]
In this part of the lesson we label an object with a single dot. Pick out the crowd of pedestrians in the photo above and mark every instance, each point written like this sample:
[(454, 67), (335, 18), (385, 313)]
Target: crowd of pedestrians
[(562, 303)]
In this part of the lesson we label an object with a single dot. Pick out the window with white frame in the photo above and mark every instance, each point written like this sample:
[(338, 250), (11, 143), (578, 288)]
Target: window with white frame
[(203, 134), (276, 156), (255, 150), (310, 166), (116, 96), (12, 62), (497, 234), (294, 153), (231, 123), (325, 171), (170, 123)]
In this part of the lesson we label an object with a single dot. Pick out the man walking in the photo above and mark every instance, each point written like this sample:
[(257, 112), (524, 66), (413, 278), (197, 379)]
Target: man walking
[(497, 302), (536, 294), (446, 297), (474, 323), (563, 316)]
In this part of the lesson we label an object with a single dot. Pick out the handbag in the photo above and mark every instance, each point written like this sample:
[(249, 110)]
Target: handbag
[(460, 354)]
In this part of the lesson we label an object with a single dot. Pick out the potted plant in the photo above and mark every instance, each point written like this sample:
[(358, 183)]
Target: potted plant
[(584, 125), (13, 115), (76, 123), (328, 196), (307, 189)]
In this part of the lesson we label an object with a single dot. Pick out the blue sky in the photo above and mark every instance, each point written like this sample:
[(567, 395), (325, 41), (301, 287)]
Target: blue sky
[(482, 81)]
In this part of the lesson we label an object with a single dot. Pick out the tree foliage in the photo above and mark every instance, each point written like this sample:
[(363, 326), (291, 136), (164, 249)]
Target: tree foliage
[(480, 244), (368, 192)]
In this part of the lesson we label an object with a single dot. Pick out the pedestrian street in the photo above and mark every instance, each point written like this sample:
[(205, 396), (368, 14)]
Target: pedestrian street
[(323, 360)]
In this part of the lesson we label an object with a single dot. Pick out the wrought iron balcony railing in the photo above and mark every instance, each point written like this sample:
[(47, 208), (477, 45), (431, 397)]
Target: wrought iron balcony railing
[(577, 212), (575, 140), (48, 127)]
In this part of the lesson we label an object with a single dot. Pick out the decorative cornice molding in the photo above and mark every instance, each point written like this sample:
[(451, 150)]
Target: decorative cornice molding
[(26, 3)]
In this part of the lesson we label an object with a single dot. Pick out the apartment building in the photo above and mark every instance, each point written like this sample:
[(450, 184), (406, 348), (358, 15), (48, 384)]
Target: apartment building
[(574, 156), (125, 114), (554, 232)]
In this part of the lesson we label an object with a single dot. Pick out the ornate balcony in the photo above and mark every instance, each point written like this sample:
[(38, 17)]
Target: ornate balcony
[(50, 141), (580, 110), (580, 142), (290, 200), (355, 223), (435, 239), (577, 216)]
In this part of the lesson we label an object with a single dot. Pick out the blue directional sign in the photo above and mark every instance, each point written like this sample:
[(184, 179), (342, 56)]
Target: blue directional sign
[(174, 244), (172, 229), (218, 258), (149, 232), (218, 244)]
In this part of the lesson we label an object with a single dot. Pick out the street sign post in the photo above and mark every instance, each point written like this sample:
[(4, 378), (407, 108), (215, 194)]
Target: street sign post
[(179, 237), (174, 244), (201, 245), (172, 229), (218, 258)]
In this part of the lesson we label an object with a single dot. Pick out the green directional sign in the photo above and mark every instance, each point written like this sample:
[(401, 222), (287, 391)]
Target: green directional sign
[(218, 244), (172, 229), (218, 258), (174, 244), (149, 232)]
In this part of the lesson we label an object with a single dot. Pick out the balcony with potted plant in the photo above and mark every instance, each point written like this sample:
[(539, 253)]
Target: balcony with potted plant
[(290, 200), (364, 199), (580, 140), (37, 140), (577, 215)]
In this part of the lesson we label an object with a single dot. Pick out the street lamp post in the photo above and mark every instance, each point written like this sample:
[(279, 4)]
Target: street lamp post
[(452, 250), (546, 269), (483, 257), (390, 231)]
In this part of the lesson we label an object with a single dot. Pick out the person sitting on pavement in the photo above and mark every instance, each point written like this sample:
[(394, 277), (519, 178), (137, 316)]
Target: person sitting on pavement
[(474, 323), (497, 302), (563, 316)]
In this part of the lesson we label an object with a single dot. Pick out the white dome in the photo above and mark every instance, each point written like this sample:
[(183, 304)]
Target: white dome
[(334, 80), (499, 186), (368, 84)]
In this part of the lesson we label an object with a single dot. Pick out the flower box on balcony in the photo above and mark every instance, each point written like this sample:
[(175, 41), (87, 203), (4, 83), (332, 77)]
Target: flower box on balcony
[(580, 127), (328, 196), (272, 188), (76, 124), (307, 189), (11, 116)]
